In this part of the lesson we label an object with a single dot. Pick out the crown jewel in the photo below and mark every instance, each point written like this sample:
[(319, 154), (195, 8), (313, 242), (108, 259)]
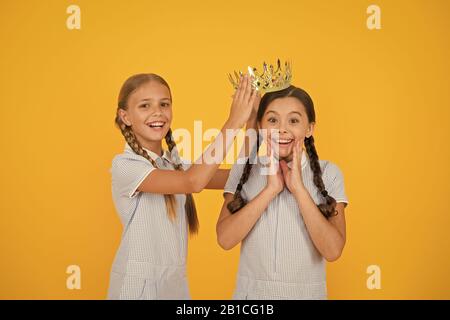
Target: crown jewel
[(269, 80)]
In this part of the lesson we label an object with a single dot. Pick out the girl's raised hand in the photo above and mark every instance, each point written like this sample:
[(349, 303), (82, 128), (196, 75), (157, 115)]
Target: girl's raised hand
[(243, 102), (293, 176)]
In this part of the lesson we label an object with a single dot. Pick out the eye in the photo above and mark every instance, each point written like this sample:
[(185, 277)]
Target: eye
[(272, 120), (145, 105), (165, 104), (294, 120)]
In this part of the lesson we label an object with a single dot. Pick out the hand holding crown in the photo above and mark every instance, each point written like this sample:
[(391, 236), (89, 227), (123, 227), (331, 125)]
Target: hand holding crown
[(243, 101)]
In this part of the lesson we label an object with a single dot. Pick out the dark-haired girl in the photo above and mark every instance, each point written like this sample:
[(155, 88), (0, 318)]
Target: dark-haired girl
[(288, 222)]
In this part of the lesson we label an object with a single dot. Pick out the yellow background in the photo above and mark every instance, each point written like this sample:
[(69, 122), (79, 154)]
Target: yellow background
[(382, 101)]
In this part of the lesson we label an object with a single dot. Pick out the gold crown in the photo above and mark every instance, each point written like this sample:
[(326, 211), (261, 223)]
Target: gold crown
[(270, 80)]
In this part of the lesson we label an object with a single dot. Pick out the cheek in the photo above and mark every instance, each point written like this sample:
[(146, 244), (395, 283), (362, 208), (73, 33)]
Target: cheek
[(168, 114), (135, 116), (263, 129), (299, 131)]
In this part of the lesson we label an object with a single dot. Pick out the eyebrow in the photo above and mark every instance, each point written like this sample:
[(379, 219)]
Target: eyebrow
[(288, 113), (149, 99)]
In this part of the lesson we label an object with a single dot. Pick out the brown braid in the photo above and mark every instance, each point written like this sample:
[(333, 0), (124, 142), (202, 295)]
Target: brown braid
[(328, 208), (238, 201), (191, 211)]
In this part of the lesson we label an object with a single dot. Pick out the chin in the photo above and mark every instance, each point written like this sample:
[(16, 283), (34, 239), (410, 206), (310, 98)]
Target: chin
[(152, 138), (155, 136), (286, 158), (158, 137), (284, 154)]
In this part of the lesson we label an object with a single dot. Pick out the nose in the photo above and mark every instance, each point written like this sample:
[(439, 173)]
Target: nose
[(156, 110), (282, 129)]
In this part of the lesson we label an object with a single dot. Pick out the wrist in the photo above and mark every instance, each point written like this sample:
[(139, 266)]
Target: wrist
[(251, 122), (233, 124), (300, 191), (271, 192)]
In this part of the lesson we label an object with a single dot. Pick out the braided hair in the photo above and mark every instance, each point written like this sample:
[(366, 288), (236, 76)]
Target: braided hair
[(130, 85), (238, 201), (328, 207), (191, 211)]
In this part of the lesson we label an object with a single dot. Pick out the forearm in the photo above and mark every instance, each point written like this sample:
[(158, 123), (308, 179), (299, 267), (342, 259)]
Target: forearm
[(234, 228), (202, 171), (251, 123), (250, 137), (219, 179), (325, 236)]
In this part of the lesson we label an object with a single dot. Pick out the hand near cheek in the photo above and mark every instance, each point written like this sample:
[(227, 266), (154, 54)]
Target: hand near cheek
[(275, 180), (293, 176)]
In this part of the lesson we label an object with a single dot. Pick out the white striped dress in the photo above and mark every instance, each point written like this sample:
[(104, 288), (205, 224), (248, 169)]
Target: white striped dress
[(278, 259), (151, 260)]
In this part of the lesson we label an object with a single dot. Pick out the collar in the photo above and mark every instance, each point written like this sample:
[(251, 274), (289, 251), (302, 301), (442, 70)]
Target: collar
[(304, 161), (153, 155)]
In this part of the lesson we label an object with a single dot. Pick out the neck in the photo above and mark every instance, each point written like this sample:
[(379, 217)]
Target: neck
[(154, 146), (288, 158)]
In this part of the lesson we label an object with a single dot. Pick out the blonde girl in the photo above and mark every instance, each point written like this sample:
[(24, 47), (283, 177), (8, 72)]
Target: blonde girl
[(152, 189)]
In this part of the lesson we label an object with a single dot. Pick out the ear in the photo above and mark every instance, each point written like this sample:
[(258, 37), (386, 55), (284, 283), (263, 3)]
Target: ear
[(310, 130), (124, 117)]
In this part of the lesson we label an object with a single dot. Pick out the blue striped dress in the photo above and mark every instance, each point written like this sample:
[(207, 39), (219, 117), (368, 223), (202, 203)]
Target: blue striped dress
[(278, 259), (150, 262)]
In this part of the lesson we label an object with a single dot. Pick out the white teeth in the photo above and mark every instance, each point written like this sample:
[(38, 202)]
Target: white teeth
[(284, 141), (156, 124)]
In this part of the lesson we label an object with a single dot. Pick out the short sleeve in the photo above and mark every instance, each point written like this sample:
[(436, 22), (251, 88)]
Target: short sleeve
[(335, 183), (186, 164), (128, 172), (234, 177)]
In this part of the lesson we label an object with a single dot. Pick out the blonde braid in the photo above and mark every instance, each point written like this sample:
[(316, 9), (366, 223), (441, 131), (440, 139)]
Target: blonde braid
[(191, 211)]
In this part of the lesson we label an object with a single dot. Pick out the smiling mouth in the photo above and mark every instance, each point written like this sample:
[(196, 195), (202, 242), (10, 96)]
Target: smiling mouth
[(284, 142), (156, 124)]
